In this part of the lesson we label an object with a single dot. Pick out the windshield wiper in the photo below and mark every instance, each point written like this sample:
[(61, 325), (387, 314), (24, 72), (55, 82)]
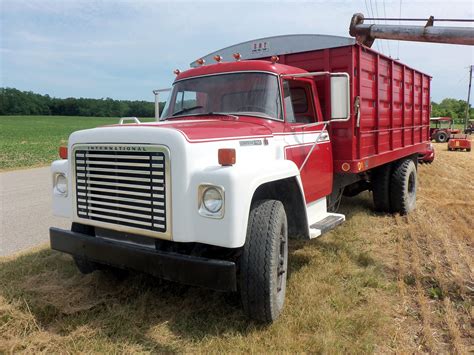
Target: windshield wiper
[(210, 113), (186, 110), (223, 114)]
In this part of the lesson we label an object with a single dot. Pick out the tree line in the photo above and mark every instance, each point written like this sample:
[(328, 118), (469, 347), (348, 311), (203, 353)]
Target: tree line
[(16, 102), (456, 109)]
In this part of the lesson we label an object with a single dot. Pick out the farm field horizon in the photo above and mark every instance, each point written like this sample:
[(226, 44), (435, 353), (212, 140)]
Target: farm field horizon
[(33, 141)]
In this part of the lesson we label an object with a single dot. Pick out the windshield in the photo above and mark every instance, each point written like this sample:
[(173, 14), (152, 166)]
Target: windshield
[(441, 123), (255, 94)]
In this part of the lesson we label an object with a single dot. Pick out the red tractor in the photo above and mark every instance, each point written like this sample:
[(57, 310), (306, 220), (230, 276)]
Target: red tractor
[(441, 129)]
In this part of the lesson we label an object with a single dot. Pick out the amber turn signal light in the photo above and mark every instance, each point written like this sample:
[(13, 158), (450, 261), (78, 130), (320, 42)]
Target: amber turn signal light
[(63, 152), (226, 157)]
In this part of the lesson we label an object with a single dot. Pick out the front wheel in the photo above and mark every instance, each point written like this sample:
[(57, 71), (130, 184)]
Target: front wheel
[(264, 261)]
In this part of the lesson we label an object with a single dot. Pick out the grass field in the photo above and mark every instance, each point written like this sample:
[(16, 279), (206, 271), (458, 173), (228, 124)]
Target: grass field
[(378, 283), (29, 141)]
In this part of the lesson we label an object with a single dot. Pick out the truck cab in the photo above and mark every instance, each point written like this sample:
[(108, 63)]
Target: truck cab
[(241, 160)]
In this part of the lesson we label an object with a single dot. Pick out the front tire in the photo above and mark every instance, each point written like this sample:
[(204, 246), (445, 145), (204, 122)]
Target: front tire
[(441, 137), (403, 184), (264, 261)]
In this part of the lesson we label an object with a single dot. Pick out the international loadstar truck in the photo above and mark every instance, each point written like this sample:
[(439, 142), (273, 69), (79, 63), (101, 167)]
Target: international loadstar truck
[(257, 143)]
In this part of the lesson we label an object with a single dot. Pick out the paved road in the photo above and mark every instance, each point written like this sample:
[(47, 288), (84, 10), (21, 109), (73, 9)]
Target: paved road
[(25, 210)]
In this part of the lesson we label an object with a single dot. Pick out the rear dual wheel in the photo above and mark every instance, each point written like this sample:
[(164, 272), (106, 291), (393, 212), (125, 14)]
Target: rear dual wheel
[(381, 188), (403, 185), (394, 187)]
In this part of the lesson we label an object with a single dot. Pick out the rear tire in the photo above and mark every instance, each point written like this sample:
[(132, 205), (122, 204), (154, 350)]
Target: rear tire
[(381, 188), (441, 137), (403, 184), (264, 261)]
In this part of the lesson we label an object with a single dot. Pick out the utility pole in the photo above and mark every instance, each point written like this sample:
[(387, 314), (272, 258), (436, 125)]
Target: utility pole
[(468, 106)]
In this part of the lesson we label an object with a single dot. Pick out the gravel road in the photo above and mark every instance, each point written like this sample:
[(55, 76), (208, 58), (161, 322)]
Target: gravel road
[(25, 210)]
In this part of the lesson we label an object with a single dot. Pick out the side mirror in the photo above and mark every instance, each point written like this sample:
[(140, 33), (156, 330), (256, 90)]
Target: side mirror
[(157, 102), (340, 97)]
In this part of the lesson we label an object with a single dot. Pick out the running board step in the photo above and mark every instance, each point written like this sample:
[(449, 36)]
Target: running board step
[(326, 224)]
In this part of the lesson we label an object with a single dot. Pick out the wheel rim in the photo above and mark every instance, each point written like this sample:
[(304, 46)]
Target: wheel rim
[(282, 261), (411, 191), (411, 183)]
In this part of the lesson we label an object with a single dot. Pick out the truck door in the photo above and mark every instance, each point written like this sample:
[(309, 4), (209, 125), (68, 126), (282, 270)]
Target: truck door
[(302, 113)]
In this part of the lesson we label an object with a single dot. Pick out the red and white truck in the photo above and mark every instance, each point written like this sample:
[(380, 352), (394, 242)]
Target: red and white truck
[(251, 149)]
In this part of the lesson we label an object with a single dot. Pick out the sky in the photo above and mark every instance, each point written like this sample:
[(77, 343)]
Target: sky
[(124, 49)]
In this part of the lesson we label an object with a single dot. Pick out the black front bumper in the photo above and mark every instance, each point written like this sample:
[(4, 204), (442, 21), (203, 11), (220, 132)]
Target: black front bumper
[(186, 269)]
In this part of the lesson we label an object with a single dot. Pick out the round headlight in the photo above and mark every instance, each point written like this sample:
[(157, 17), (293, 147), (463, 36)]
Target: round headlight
[(61, 183), (212, 200)]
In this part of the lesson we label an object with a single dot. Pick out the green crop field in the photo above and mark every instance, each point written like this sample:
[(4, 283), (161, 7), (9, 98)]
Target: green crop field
[(29, 141)]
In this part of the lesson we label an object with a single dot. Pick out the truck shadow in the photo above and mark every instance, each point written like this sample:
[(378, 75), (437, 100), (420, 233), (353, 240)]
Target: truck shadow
[(361, 203), (132, 307), (121, 307)]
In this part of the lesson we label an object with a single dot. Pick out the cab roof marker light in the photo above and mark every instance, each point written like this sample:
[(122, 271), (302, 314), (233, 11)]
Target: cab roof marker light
[(218, 58), (237, 56), (177, 71), (201, 61), (274, 59)]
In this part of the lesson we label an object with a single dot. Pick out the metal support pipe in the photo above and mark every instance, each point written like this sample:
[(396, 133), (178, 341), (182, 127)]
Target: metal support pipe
[(157, 102), (366, 34), (157, 105)]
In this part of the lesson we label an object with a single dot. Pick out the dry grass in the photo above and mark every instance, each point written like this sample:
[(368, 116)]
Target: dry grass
[(378, 283)]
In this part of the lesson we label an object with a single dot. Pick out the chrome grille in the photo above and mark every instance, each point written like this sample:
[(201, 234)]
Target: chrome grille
[(122, 185)]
